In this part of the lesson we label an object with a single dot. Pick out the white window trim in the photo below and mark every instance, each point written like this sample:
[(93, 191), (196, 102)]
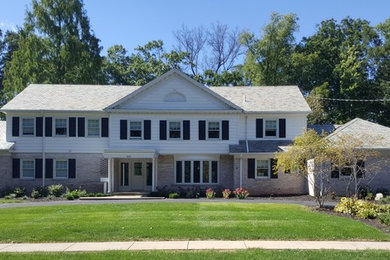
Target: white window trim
[(67, 127), (86, 128), (21, 169), (181, 129), (220, 130), (277, 128), (269, 169), (34, 126), (55, 169), (201, 172), (142, 130)]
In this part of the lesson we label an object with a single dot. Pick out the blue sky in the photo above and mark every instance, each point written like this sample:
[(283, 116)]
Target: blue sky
[(133, 23)]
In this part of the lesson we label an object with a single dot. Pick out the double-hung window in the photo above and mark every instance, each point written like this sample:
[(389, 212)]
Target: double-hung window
[(174, 130), (28, 126), (61, 127), (135, 129), (262, 169), (197, 172), (28, 169), (61, 169), (270, 128), (214, 130), (93, 127)]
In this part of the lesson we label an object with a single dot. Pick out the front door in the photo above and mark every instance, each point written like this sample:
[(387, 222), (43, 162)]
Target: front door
[(138, 176)]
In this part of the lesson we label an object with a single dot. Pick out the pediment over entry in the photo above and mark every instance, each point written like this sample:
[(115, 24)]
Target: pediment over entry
[(173, 91)]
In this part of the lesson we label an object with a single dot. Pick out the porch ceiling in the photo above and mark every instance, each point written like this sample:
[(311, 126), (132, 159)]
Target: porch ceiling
[(136, 154)]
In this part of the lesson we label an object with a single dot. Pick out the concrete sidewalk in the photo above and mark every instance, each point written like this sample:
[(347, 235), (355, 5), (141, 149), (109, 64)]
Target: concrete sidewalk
[(191, 245)]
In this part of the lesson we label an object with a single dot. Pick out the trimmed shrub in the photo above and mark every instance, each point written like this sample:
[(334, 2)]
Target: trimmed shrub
[(210, 194), (10, 196), (173, 195), (241, 193), (360, 208), (56, 190), (226, 193), (39, 192), (74, 194), (19, 192), (384, 218)]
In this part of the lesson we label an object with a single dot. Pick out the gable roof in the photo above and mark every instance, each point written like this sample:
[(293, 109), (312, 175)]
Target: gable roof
[(135, 93), (57, 97), (4, 145), (359, 127), (266, 98)]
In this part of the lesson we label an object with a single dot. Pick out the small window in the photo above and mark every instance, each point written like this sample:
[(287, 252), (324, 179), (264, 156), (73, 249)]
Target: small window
[(93, 127), (135, 130), (213, 130), (174, 130), (262, 169), (61, 127), (61, 169), (138, 169), (28, 169), (28, 126), (270, 127), (346, 171)]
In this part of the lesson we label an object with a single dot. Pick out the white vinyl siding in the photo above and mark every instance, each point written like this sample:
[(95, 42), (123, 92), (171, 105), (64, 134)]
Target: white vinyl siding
[(61, 169), (93, 127), (28, 128), (61, 127), (27, 169)]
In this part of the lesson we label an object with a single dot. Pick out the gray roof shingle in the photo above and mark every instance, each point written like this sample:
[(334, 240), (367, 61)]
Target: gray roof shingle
[(359, 127), (258, 146), (51, 97)]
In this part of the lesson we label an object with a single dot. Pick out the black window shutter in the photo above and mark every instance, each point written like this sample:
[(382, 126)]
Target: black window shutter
[(202, 130), (149, 173), (15, 126), (38, 168), (49, 168), (360, 171), (81, 126), (72, 168), (274, 172), (186, 130), (48, 126), (178, 171), (126, 181), (259, 128), (123, 129), (334, 172), (72, 126), (282, 128), (105, 127), (251, 168), (147, 129), (163, 130), (225, 130), (15, 168), (39, 126)]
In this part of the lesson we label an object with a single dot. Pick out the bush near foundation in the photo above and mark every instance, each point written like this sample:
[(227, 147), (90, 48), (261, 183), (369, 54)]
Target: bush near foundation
[(241, 193), (56, 190), (360, 208)]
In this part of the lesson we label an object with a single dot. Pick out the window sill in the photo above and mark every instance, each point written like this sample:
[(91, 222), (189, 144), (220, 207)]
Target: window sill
[(27, 178)]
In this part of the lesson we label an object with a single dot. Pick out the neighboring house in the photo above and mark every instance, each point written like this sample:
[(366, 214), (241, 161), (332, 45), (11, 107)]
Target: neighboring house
[(172, 132), (379, 176)]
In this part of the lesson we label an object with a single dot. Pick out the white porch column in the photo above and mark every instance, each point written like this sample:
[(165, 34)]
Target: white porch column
[(109, 176), (153, 174), (240, 170), (112, 175)]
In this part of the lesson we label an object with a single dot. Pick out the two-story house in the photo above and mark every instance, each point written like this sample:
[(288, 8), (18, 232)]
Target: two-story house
[(171, 132)]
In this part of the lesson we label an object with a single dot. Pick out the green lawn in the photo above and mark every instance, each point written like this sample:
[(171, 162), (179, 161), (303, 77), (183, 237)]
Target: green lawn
[(238, 254), (9, 201), (167, 221)]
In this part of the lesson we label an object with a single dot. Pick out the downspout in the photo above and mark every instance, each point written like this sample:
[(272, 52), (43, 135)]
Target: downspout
[(43, 150)]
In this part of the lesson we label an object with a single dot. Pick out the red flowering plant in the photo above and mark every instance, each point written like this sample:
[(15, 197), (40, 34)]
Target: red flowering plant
[(226, 193), (210, 194), (241, 193)]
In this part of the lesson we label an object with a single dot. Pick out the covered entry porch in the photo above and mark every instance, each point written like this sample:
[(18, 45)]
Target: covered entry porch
[(131, 171)]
